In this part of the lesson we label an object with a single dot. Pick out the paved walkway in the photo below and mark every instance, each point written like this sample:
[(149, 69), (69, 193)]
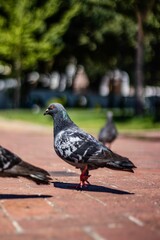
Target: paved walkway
[(118, 205)]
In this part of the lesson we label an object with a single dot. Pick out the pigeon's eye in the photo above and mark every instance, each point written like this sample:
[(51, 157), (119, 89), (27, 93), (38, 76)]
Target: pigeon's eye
[(51, 107)]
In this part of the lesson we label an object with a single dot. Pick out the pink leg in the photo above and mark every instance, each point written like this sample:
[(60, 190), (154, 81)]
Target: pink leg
[(84, 177)]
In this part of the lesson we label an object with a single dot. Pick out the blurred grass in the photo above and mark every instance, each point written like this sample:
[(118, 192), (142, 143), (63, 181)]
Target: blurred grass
[(88, 119)]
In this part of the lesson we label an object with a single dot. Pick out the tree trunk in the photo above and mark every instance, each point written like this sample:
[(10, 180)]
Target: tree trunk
[(139, 76), (17, 92)]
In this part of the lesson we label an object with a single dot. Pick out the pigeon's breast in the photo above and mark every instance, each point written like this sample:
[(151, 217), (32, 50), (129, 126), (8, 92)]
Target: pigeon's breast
[(66, 143)]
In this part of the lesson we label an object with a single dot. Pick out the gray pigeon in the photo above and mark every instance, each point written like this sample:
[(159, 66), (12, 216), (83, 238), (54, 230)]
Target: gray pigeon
[(81, 149), (109, 132), (13, 166)]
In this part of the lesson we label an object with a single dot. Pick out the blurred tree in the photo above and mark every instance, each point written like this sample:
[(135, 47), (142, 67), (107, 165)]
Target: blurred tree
[(142, 9), (152, 46), (101, 37), (141, 12), (116, 34), (28, 35), (101, 34)]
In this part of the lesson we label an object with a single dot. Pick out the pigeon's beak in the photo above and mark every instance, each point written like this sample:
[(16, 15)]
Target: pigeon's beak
[(46, 112)]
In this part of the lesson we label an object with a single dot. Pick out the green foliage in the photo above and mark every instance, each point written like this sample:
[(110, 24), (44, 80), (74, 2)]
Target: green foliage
[(101, 34), (26, 36)]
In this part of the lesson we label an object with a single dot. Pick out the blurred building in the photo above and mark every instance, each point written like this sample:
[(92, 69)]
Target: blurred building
[(115, 82), (81, 81)]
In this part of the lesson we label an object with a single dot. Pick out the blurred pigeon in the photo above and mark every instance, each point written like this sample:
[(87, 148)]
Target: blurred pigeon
[(13, 166), (81, 149), (109, 132)]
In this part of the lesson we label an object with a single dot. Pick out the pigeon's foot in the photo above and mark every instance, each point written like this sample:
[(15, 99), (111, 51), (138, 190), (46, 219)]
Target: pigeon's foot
[(84, 183), (84, 177)]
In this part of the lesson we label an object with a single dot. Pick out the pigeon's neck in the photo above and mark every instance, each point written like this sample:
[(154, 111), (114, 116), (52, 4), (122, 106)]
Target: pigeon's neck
[(61, 121), (109, 120)]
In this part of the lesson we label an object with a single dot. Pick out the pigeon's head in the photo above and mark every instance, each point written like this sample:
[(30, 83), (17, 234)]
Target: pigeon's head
[(54, 108), (59, 115), (109, 115)]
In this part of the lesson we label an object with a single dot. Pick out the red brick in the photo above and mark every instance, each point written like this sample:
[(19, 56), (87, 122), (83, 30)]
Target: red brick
[(5, 224), (105, 213)]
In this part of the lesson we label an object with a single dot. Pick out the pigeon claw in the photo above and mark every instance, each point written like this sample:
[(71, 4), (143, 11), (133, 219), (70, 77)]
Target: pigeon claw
[(82, 184), (84, 181), (84, 178)]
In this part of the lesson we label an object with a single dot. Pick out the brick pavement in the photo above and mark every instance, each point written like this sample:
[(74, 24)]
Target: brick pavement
[(118, 205)]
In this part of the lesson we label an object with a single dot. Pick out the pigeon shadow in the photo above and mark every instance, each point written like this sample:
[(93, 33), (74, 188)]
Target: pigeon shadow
[(89, 188), (21, 196)]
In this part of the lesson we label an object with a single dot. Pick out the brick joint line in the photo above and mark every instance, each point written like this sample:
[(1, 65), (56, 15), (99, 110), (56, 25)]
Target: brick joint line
[(15, 224), (91, 233)]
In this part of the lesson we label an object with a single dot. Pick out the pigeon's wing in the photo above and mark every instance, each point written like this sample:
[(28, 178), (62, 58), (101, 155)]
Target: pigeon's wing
[(7, 159), (75, 145), (109, 159), (78, 147)]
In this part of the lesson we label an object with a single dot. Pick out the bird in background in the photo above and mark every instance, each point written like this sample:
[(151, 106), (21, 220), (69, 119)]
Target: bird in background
[(13, 166), (109, 132), (81, 149)]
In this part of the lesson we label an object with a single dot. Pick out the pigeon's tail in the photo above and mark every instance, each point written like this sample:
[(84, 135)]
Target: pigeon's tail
[(36, 174), (118, 162)]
